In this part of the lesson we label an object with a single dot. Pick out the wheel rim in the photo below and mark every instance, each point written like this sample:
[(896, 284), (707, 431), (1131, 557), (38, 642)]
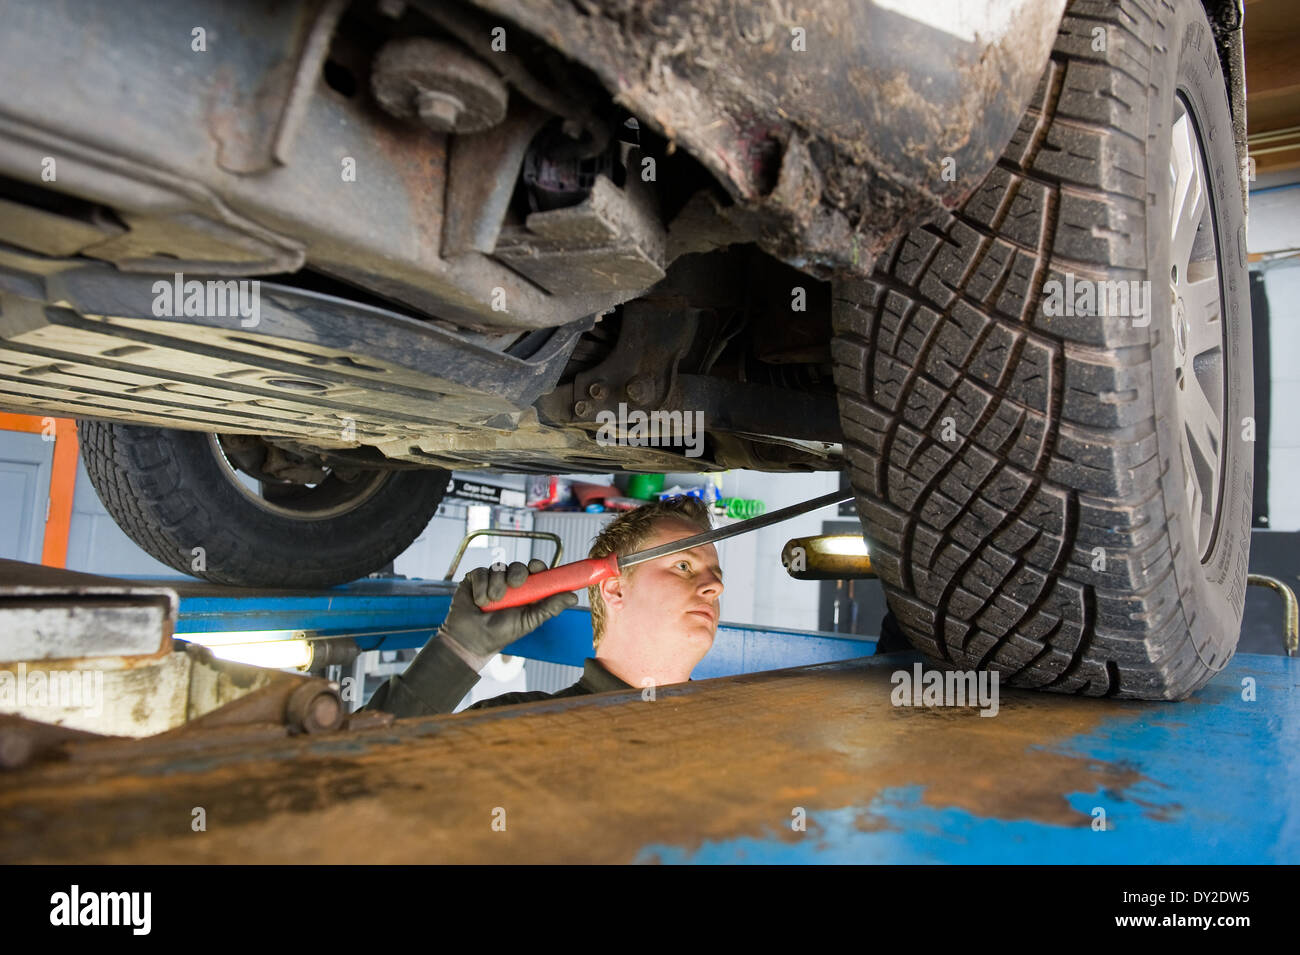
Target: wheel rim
[(331, 498), (1196, 314)]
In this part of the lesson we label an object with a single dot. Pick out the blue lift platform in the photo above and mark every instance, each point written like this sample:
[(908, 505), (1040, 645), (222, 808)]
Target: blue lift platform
[(785, 747), (403, 614)]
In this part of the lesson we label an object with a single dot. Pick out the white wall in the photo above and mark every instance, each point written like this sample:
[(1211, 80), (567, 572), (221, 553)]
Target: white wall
[(1273, 226), (1274, 231), (1282, 284), (757, 589)]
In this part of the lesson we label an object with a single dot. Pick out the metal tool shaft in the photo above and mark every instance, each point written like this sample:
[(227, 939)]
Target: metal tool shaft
[(744, 527)]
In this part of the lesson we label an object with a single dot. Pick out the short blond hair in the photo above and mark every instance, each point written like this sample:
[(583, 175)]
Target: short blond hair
[(628, 533)]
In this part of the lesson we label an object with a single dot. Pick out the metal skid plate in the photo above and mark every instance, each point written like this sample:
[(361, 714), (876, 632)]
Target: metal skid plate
[(310, 366)]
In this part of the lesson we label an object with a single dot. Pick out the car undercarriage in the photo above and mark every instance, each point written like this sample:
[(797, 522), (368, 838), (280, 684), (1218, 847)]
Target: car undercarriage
[(613, 206), (290, 263)]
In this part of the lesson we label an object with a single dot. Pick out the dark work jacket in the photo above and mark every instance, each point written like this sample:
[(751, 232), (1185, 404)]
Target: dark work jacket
[(438, 679)]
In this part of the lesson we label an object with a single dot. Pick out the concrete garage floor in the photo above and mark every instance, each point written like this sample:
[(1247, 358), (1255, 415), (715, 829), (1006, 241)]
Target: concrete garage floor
[(713, 771)]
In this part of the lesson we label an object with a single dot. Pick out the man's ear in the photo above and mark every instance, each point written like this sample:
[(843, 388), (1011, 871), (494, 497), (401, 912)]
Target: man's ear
[(611, 591)]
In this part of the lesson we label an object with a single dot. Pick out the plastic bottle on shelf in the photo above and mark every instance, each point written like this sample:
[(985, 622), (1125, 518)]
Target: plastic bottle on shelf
[(741, 508)]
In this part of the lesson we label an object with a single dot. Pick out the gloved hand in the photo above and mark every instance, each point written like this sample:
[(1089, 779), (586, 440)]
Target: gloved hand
[(476, 635)]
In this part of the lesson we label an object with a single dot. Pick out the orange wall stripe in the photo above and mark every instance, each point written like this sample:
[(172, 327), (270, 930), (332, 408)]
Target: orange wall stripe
[(63, 483), (29, 423), (63, 479)]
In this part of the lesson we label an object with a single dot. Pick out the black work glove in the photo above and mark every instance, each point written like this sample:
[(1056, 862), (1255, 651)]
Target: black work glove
[(478, 636)]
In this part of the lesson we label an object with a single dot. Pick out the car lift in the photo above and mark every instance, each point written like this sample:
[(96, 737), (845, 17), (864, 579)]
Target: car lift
[(746, 763)]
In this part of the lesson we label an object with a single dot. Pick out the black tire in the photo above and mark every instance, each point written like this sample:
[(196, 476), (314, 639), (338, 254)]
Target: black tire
[(168, 492), (1067, 443)]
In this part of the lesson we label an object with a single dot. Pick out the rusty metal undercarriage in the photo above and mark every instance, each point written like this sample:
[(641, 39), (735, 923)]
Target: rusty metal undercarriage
[(458, 208)]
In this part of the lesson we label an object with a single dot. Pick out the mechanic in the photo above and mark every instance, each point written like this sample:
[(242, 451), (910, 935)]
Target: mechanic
[(650, 625)]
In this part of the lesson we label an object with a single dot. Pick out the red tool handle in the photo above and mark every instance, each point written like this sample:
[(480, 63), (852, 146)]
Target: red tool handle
[(558, 580)]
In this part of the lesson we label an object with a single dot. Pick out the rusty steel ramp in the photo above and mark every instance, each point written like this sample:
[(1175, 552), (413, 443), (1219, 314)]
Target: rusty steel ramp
[(800, 765)]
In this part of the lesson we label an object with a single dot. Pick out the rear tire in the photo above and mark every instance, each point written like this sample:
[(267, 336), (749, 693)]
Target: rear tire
[(171, 495), (1020, 472)]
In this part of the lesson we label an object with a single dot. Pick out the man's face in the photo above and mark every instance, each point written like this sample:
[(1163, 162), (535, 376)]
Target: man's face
[(674, 599)]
